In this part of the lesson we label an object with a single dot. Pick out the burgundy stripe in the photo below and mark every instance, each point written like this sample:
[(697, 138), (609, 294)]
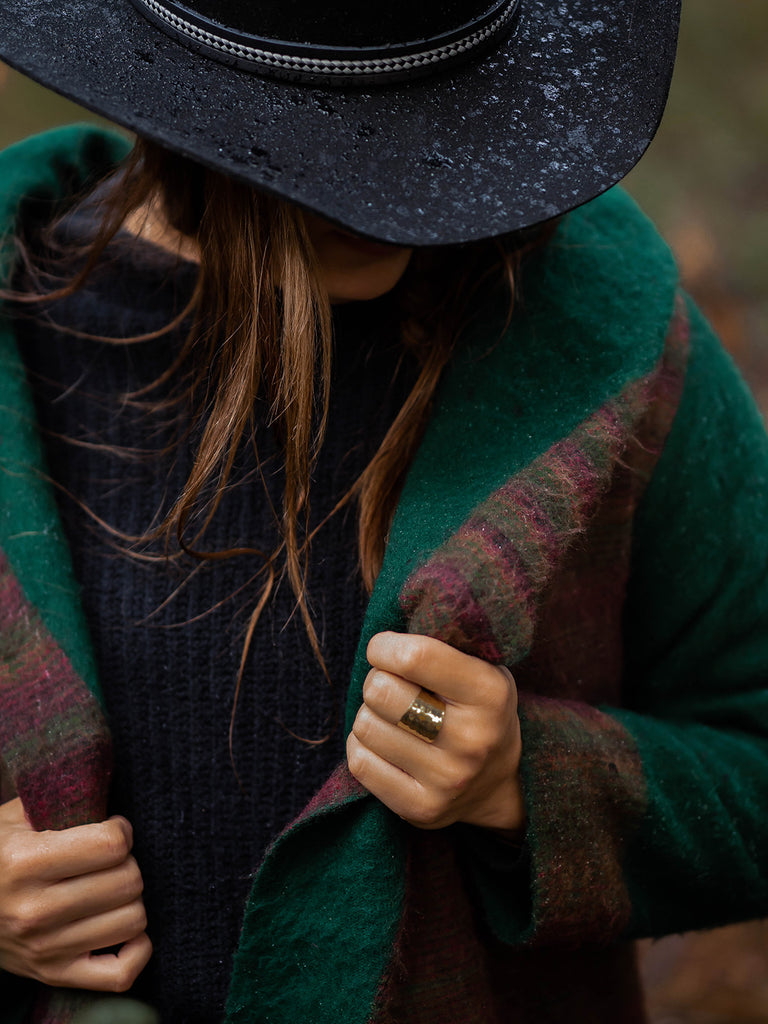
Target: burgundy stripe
[(53, 736), (438, 601)]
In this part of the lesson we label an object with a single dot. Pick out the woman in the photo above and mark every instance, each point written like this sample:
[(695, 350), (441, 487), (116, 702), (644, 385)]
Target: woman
[(495, 837)]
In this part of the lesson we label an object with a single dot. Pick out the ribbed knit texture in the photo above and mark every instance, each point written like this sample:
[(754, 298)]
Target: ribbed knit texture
[(169, 670)]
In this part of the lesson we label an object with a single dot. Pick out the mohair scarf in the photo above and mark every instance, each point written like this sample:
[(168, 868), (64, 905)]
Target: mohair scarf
[(512, 537)]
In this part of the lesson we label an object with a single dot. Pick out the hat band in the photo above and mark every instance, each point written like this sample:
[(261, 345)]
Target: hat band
[(300, 61)]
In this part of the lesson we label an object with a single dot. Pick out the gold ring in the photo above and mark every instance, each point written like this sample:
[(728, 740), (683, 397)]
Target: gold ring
[(424, 718)]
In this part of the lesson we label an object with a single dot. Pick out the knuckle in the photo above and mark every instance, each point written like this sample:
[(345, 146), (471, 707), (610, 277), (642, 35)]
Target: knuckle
[(129, 965), (146, 952), (456, 779), (114, 840), (18, 860), (124, 976), (138, 919), (355, 757), (509, 679), (24, 922), (495, 700), (376, 689), (490, 691), (48, 974), (45, 975), (125, 826), (478, 742), (413, 657), (417, 816), (131, 881), (365, 724), (501, 689), (428, 810), (37, 944)]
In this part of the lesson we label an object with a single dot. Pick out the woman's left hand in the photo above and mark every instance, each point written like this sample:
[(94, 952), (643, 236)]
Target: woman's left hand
[(470, 772)]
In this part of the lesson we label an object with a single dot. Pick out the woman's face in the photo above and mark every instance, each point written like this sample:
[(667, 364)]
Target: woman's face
[(354, 269)]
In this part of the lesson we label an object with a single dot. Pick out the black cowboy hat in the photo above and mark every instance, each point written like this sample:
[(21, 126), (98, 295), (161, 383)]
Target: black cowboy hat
[(416, 121)]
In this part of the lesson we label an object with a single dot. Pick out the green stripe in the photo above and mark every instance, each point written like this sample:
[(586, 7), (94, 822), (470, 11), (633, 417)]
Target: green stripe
[(593, 315), (46, 167)]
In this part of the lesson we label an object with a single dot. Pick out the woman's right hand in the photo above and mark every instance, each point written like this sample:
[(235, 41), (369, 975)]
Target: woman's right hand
[(65, 894)]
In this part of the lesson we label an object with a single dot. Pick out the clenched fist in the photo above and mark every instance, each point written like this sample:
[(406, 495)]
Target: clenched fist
[(66, 894), (470, 773)]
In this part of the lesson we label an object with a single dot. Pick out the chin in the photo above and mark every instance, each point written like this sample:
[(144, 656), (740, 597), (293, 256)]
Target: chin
[(363, 284), (356, 269)]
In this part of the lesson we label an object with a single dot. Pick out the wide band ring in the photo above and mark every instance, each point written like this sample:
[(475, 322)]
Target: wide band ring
[(424, 717)]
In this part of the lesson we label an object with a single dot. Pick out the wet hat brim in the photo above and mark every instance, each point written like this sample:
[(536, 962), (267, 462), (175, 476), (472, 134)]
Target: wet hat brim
[(556, 114)]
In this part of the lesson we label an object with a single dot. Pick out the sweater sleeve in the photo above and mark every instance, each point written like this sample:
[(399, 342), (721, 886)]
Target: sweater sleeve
[(650, 818)]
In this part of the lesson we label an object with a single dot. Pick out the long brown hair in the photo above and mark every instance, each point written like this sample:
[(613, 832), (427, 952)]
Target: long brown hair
[(261, 327)]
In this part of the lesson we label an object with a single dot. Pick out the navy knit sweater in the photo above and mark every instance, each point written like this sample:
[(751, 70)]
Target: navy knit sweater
[(168, 635)]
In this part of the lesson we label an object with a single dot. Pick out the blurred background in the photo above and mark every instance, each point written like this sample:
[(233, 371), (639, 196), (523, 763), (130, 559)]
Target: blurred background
[(705, 183), (705, 178)]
